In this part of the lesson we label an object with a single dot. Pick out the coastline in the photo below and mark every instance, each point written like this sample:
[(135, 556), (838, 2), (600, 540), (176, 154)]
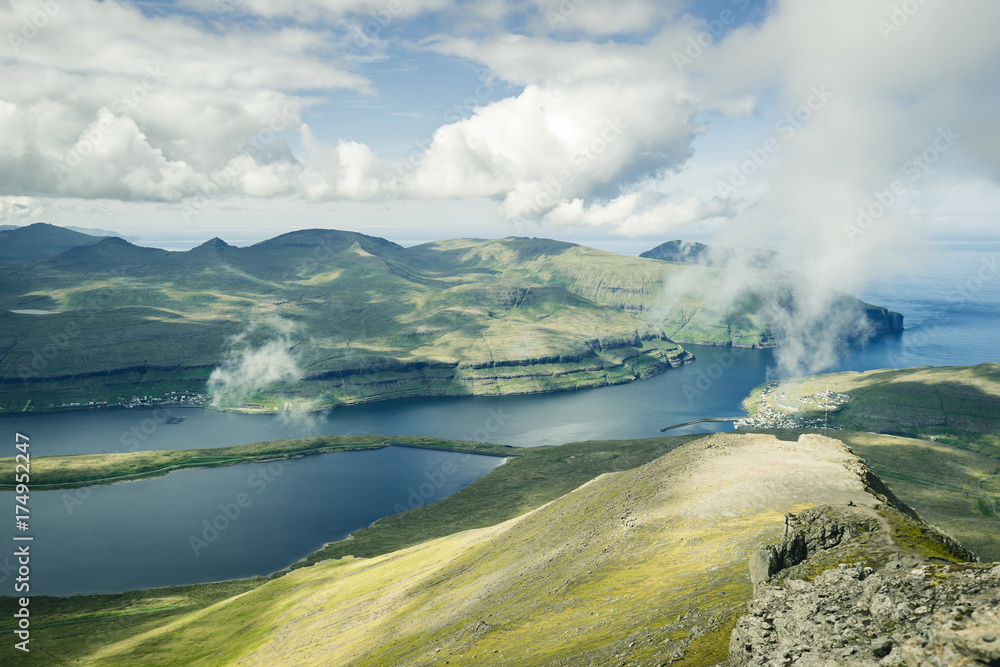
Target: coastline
[(148, 464)]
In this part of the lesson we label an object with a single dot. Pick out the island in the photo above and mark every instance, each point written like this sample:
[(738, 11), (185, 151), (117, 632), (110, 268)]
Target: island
[(316, 319)]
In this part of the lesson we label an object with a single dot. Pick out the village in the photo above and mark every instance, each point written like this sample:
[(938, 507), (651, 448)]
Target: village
[(181, 398), (770, 417)]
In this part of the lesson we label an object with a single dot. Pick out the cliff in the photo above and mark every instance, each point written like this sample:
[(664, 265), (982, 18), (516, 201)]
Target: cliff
[(845, 587)]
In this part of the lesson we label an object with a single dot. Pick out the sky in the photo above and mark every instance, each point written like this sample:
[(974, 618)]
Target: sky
[(833, 130)]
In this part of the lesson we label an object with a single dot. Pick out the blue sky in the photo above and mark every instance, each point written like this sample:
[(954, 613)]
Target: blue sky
[(619, 124)]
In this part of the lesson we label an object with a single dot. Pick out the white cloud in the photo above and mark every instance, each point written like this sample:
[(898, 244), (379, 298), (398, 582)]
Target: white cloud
[(103, 101), (20, 211), (348, 170), (601, 17), (893, 91), (590, 117), (637, 214), (168, 107)]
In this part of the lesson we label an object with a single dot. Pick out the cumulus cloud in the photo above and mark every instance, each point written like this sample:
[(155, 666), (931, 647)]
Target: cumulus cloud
[(906, 96), (637, 214), (591, 119), (101, 100), (349, 170), (900, 81), (105, 101)]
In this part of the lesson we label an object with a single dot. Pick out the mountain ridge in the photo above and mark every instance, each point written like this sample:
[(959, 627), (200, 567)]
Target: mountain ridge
[(367, 319)]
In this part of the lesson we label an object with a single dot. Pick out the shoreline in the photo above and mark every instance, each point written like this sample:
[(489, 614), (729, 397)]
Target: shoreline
[(327, 445), (687, 360)]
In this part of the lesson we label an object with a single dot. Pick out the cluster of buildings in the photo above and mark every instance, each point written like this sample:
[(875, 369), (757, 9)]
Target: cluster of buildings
[(769, 417), (191, 398), (186, 398)]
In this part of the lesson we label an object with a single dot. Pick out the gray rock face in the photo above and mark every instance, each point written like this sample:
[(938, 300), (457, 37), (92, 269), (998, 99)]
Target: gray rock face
[(805, 534), (906, 610)]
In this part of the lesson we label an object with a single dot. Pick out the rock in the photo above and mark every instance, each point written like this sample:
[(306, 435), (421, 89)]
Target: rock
[(814, 605), (881, 646)]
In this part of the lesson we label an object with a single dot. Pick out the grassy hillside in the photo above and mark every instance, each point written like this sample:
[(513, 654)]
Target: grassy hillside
[(954, 405), (645, 564), (356, 318), (22, 244), (948, 465)]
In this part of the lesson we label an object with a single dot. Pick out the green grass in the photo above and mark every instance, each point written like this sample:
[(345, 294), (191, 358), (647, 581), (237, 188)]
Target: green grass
[(937, 480), (541, 475), (75, 470), (586, 586), (938, 446), (371, 320), (956, 405)]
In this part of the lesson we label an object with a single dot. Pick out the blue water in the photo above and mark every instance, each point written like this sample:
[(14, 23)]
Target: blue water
[(950, 298), (222, 523), (137, 534)]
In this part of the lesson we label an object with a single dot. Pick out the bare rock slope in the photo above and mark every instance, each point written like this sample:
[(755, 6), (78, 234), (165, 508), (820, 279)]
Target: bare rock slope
[(842, 588)]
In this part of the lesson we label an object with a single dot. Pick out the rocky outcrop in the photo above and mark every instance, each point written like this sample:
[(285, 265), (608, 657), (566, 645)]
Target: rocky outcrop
[(805, 534), (692, 252), (881, 604), (883, 320)]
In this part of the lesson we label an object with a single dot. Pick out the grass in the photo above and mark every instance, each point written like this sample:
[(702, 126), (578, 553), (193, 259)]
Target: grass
[(525, 483), (636, 566), (581, 554), (369, 320), (937, 480), (931, 433), (957, 405), (75, 470)]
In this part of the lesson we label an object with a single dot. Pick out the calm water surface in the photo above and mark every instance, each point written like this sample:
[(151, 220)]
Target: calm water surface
[(224, 523), (139, 534)]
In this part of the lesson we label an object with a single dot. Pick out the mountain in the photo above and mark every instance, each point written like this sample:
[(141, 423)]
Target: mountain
[(691, 252), (353, 318), (39, 240), (647, 565)]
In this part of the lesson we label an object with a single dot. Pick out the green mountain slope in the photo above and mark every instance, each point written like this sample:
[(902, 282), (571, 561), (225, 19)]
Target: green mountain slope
[(355, 318), (642, 566)]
